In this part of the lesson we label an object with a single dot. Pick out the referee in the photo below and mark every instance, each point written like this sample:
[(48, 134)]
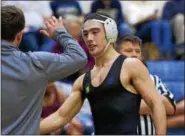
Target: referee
[(130, 46)]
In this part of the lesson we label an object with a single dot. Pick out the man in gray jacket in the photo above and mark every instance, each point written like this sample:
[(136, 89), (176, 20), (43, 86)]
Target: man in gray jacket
[(25, 75)]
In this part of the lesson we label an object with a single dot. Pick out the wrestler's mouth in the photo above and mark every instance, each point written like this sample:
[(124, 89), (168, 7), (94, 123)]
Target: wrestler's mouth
[(91, 46)]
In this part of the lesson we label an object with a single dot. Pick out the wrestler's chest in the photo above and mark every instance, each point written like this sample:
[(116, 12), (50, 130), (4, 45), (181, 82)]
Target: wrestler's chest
[(98, 76)]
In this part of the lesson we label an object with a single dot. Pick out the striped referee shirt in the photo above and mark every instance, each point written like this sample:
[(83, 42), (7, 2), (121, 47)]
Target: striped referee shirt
[(146, 126)]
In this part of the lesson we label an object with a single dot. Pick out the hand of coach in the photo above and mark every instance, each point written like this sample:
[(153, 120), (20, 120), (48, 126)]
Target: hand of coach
[(73, 57)]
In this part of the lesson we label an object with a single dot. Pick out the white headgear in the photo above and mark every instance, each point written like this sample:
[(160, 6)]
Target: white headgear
[(111, 31), (110, 27)]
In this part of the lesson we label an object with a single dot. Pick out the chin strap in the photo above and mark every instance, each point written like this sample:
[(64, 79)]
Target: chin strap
[(105, 49)]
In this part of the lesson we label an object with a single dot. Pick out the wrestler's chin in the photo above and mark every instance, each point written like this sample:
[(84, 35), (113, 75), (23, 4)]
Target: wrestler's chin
[(95, 53)]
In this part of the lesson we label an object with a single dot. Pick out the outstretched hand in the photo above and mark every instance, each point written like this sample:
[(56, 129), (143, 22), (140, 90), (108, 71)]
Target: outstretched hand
[(51, 24)]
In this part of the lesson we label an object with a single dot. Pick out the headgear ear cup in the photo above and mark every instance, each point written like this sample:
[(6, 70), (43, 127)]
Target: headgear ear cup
[(111, 30)]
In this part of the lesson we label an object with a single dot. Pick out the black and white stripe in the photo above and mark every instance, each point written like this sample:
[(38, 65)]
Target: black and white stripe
[(146, 126), (163, 89)]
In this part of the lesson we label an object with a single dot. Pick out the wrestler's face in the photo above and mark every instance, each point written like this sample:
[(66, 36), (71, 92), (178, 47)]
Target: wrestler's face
[(130, 49), (94, 37)]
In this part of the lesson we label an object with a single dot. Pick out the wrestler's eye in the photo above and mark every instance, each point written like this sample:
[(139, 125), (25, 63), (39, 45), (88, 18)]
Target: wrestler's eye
[(128, 50), (138, 51), (85, 34), (95, 32)]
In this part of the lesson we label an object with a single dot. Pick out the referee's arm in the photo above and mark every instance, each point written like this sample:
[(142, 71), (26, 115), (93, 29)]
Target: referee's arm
[(167, 96)]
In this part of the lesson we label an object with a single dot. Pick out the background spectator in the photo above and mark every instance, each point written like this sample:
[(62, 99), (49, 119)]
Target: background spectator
[(34, 17), (66, 7), (113, 9), (174, 13), (148, 24)]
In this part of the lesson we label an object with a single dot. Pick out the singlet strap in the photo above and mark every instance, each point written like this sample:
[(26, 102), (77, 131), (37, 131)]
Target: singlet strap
[(86, 85), (115, 70)]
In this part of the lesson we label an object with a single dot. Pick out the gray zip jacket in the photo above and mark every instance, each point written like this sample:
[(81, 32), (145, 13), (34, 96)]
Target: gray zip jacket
[(25, 77)]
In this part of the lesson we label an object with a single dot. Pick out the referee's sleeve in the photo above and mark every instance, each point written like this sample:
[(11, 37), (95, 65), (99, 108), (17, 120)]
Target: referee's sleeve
[(164, 91)]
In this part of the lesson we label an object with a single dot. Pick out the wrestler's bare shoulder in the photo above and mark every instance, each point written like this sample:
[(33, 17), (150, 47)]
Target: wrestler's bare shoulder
[(132, 63)]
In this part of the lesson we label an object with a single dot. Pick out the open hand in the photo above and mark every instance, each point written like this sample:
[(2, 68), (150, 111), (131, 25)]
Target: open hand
[(51, 24)]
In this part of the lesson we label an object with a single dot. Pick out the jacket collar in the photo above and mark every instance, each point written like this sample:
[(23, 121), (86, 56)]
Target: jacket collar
[(5, 45)]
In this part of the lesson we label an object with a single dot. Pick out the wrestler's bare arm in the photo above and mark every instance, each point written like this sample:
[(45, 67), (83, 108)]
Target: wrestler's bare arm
[(66, 112), (142, 82)]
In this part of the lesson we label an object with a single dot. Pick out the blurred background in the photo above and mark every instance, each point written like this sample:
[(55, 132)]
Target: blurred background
[(160, 25)]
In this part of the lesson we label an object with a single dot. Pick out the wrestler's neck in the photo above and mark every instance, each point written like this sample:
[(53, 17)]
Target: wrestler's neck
[(107, 57)]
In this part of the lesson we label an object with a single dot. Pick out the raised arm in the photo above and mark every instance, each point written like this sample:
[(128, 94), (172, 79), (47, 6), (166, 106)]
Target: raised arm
[(142, 82), (66, 112), (57, 66)]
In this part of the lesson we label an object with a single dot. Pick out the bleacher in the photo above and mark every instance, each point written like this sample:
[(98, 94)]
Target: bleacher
[(171, 73)]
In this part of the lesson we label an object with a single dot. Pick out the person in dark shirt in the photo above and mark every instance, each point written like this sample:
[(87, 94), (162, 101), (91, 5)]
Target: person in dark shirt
[(65, 7), (171, 8), (114, 86), (173, 12), (112, 8)]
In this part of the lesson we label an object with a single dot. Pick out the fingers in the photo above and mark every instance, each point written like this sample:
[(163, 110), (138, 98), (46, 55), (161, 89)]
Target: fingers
[(51, 22), (44, 32), (54, 19), (60, 19), (44, 27), (48, 24)]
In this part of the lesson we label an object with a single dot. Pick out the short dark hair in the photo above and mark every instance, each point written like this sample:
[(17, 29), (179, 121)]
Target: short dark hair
[(97, 16), (132, 39), (12, 22), (129, 38)]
